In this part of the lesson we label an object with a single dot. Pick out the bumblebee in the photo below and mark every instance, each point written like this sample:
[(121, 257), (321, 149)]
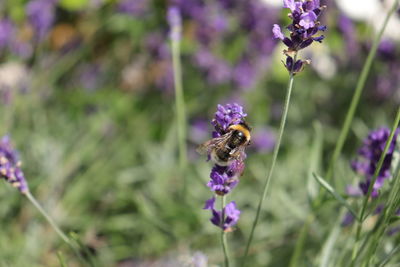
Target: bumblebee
[(228, 147)]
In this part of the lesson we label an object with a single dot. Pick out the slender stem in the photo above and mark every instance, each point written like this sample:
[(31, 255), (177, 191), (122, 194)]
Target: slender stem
[(180, 108), (391, 254), (370, 188), (300, 241), (48, 218), (357, 94), (223, 233), (274, 157), (53, 224)]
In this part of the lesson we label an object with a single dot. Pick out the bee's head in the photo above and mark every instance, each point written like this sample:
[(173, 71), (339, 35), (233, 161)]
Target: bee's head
[(242, 127)]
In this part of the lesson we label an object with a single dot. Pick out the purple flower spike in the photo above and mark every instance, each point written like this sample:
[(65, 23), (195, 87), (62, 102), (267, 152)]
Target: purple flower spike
[(134, 8), (10, 166), (369, 155), (175, 23), (6, 32), (226, 116), (225, 178), (303, 30), (41, 14), (231, 215)]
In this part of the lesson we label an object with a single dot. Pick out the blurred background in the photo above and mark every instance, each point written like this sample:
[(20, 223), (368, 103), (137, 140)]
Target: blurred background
[(87, 96)]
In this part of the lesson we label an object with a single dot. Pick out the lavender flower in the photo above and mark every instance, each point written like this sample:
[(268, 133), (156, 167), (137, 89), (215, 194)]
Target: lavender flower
[(6, 32), (133, 7), (245, 74), (264, 140), (369, 155), (225, 219), (347, 27), (217, 70), (212, 24), (303, 30), (41, 14), (226, 116), (224, 178), (10, 166), (175, 23)]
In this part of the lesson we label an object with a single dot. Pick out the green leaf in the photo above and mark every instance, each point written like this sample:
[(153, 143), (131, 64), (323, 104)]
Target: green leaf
[(338, 197)]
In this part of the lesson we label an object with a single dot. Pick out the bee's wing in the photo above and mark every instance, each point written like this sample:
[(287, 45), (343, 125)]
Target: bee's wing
[(209, 145), (238, 153)]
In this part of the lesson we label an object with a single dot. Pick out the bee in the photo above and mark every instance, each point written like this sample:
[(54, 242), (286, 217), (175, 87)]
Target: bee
[(225, 149)]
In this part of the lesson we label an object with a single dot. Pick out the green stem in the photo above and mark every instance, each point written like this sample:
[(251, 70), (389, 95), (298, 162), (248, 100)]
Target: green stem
[(300, 241), (223, 233), (390, 209), (366, 198), (357, 94), (48, 218), (391, 254), (274, 157), (53, 224), (180, 109)]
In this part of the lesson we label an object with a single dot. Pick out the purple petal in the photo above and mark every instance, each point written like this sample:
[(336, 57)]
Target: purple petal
[(209, 204), (307, 20), (277, 32)]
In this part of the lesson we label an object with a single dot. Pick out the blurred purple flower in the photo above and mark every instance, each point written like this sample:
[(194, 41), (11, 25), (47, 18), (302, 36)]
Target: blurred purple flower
[(10, 165), (21, 49), (346, 26), (348, 219), (226, 219), (219, 73), (263, 140), (198, 131), (41, 15), (175, 23), (6, 32), (89, 76), (217, 70), (369, 155), (387, 49), (211, 24), (133, 7), (245, 74), (156, 46)]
